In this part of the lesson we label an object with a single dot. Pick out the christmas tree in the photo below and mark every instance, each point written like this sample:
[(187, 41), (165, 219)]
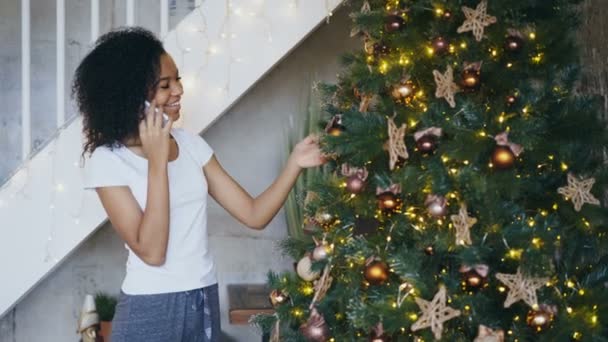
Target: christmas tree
[(463, 202)]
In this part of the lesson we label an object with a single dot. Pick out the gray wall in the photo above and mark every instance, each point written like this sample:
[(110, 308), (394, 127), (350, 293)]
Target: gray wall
[(249, 143)]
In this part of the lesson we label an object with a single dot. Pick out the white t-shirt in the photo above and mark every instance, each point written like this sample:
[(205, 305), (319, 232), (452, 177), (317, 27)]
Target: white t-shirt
[(188, 263)]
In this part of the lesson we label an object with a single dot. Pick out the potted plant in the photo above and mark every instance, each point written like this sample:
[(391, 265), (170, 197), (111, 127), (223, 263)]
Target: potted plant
[(106, 305)]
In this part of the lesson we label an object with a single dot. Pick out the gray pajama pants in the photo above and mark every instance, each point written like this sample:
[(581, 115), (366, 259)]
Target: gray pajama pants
[(187, 316)]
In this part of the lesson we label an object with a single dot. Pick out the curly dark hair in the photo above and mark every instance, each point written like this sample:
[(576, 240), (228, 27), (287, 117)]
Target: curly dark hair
[(113, 81)]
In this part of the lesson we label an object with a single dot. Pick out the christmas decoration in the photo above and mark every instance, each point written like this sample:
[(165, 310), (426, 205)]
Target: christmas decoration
[(378, 334), (277, 297), (434, 313), (440, 46), (429, 250), (579, 191), (471, 76), (396, 143), (321, 251), (381, 49), (88, 322), (315, 329), (521, 287), (474, 277), (334, 126), (485, 334), (304, 271), (325, 219), (376, 272), (514, 41), (504, 154), (322, 286), (436, 205), (476, 20), (540, 319), (446, 88), (462, 223), (394, 22), (387, 197), (426, 139), (511, 100), (355, 183), (405, 289), (403, 91)]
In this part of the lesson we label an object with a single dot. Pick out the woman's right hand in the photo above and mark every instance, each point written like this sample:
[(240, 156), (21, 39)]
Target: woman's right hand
[(155, 138)]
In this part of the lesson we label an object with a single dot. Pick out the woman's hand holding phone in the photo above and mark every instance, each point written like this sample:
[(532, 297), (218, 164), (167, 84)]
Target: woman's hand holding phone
[(154, 136)]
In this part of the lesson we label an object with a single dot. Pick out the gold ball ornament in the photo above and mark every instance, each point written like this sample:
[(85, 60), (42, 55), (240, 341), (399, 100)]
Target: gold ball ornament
[(511, 100), (277, 297), (471, 280), (394, 22), (514, 44), (403, 91), (325, 219), (304, 271), (503, 157), (321, 252), (388, 201), (376, 273), (471, 80), (540, 319)]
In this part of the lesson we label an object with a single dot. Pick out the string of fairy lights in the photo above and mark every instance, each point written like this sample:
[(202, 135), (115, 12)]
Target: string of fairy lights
[(16, 186)]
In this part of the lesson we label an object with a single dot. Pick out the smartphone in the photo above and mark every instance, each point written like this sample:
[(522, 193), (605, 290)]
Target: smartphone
[(165, 117)]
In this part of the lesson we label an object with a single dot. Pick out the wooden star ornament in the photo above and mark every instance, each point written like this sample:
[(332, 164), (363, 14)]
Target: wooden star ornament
[(396, 143), (434, 313), (463, 223), (476, 20), (446, 87), (579, 191), (521, 287)]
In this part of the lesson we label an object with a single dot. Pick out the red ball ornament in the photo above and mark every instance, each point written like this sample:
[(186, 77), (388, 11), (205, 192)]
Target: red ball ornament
[(394, 22), (503, 157), (511, 100), (514, 44), (354, 184), (440, 45), (376, 273), (427, 144), (429, 250)]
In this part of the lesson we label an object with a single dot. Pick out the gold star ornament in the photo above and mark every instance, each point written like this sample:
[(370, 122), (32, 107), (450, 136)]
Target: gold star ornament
[(521, 288), (446, 87), (463, 223), (476, 20), (579, 191), (434, 313)]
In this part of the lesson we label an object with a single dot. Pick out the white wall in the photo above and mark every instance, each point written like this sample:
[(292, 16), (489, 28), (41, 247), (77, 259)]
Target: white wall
[(248, 141)]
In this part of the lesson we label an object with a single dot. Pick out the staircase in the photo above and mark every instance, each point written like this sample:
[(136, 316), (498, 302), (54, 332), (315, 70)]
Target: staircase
[(222, 48)]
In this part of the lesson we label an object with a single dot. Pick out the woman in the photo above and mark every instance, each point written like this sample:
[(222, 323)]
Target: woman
[(153, 179)]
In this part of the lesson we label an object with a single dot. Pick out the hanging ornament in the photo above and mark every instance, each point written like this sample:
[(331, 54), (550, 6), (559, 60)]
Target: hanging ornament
[(355, 183), (426, 139), (368, 45), (404, 91), (511, 100), (505, 151), (436, 205), (541, 318), (486, 334), (462, 224), (429, 250), (579, 191), (434, 313), (376, 272), (387, 197), (303, 269), (278, 297), (474, 277), (514, 41), (471, 76), (446, 87), (315, 329), (396, 143), (521, 287), (440, 46), (88, 320), (447, 14), (405, 289), (378, 334), (322, 286), (393, 22), (322, 250), (325, 219), (476, 20), (381, 49), (334, 126)]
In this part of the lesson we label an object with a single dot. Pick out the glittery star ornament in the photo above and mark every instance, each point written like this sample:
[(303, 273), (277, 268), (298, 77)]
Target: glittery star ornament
[(463, 223), (446, 87), (521, 288), (434, 313), (476, 20), (579, 191), (485, 334), (396, 143)]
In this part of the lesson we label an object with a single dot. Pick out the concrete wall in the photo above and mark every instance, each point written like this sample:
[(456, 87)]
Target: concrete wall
[(249, 142)]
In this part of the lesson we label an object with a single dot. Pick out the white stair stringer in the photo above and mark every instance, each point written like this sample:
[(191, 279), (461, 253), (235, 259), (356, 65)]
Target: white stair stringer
[(45, 214)]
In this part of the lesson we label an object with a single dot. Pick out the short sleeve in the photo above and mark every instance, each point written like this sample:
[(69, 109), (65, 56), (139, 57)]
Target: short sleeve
[(102, 169), (202, 150)]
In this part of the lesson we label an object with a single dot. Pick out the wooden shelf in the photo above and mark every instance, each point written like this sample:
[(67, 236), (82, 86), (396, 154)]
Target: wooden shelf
[(246, 300)]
